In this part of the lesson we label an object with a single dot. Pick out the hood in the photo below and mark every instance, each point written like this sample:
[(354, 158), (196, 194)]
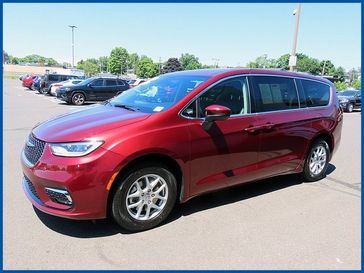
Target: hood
[(344, 97), (86, 123)]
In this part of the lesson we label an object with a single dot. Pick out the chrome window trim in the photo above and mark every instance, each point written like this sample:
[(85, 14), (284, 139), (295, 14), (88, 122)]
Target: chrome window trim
[(259, 113)]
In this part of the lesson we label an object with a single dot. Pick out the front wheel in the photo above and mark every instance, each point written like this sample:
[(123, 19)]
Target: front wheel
[(350, 108), (78, 99), (144, 198), (317, 161)]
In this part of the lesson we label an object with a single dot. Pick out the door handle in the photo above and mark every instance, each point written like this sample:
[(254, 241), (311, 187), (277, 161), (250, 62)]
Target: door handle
[(252, 129), (268, 126)]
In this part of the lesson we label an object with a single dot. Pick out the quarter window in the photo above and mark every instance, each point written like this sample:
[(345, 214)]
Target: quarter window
[(317, 94), (274, 93), (232, 93)]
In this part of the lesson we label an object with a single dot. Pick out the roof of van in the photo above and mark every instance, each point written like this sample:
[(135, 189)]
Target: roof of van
[(223, 72)]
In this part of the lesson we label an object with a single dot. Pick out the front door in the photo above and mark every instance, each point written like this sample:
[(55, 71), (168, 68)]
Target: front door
[(227, 153)]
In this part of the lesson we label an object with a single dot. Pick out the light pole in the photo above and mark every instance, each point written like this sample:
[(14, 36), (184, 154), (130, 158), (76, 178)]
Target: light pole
[(293, 57), (73, 46), (216, 62)]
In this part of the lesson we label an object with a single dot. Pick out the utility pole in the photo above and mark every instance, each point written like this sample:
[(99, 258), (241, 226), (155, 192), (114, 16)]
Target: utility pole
[(216, 62), (293, 57), (73, 46), (323, 69)]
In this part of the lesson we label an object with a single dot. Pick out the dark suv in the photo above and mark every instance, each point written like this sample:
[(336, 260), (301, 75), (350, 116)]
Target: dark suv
[(350, 100), (92, 89), (48, 79)]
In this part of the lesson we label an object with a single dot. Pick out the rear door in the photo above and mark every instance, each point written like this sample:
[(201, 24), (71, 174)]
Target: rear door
[(111, 88), (97, 90), (281, 125)]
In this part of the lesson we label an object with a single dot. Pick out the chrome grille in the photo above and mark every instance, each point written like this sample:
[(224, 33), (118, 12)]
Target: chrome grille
[(59, 196), (31, 187), (33, 149)]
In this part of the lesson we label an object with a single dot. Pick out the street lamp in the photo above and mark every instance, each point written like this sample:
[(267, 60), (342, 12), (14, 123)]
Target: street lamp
[(293, 57), (216, 62), (73, 46)]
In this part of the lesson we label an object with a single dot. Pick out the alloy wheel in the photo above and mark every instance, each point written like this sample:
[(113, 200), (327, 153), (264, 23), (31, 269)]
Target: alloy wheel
[(318, 160)]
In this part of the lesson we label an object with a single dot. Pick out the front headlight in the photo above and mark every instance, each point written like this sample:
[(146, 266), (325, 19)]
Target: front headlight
[(74, 149), (344, 100)]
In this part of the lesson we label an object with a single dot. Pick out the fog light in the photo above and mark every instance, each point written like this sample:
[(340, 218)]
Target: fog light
[(59, 196)]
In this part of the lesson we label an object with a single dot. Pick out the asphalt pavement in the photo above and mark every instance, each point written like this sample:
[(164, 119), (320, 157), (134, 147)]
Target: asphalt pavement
[(278, 223)]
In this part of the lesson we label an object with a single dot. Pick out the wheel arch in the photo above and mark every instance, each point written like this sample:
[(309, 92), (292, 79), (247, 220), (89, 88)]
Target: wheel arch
[(160, 158)]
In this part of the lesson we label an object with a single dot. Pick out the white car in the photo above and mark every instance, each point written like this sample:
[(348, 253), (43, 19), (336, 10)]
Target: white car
[(55, 86)]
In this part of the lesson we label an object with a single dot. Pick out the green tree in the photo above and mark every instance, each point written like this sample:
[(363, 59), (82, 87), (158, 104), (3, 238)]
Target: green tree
[(146, 68), (90, 66), (340, 85), (327, 68), (133, 61), (189, 62), (340, 73), (357, 84), (118, 60), (307, 64), (283, 62), (172, 65), (14, 60), (102, 62), (263, 62)]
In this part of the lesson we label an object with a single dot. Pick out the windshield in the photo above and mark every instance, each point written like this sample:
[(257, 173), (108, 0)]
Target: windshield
[(348, 93), (159, 93)]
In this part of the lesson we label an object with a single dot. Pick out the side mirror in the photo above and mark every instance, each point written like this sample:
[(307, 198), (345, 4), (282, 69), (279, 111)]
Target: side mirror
[(215, 112)]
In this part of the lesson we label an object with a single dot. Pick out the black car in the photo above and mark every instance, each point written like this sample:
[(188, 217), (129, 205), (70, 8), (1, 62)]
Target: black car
[(350, 100), (92, 89), (48, 79)]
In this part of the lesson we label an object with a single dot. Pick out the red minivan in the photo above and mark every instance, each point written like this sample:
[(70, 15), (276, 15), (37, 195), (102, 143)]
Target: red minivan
[(177, 136)]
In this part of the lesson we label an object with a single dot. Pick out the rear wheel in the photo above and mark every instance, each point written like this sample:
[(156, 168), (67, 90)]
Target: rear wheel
[(78, 99), (317, 161), (144, 198)]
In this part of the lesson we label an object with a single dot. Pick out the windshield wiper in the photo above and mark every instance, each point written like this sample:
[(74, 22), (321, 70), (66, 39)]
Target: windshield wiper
[(127, 107)]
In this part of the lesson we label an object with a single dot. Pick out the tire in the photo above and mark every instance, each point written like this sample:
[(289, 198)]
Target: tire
[(350, 108), (44, 91), (318, 156), (159, 209), (78, 99)]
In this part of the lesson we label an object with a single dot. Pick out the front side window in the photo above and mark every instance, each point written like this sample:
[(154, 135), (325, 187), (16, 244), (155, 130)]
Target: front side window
[(317, 94), (53, 78), (160, 93), (231, 93), (274, 93)]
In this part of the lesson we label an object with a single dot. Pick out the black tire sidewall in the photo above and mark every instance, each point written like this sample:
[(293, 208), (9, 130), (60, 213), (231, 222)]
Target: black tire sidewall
[(118, 207), (306, 172), (350, 107)]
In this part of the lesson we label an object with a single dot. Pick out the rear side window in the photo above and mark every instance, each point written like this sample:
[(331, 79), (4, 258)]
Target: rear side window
[(53, 78), (317, 94), (110, 82), (274, 93)]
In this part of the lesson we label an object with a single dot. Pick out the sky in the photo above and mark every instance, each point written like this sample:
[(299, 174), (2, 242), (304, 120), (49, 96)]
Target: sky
[(232, 33)]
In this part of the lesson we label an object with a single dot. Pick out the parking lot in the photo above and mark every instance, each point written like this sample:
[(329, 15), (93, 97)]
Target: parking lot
[(278, 223)]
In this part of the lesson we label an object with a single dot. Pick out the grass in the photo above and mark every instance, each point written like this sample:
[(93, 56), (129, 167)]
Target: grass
[(12, 75)]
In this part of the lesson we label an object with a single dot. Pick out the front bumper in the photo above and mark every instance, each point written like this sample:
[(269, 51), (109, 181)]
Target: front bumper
[(84, 178)]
